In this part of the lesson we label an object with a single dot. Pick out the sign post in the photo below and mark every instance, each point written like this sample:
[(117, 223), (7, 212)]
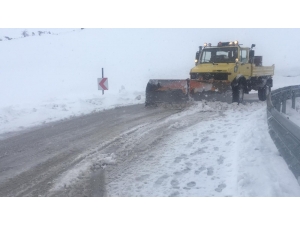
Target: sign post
[(102, 83)]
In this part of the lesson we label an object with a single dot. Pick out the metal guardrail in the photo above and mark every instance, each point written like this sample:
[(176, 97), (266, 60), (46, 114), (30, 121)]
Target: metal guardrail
[(285, 134)]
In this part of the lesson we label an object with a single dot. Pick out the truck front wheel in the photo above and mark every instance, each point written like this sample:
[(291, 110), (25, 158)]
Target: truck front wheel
[(238, 94)]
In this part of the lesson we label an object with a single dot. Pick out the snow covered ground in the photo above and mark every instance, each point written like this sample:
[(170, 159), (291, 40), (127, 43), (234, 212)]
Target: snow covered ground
[(53, 77), (229, 153), (17, 117)]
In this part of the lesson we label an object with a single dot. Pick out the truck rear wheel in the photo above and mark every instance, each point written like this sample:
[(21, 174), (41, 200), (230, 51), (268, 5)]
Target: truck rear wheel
[(263, 93), (238, 94)]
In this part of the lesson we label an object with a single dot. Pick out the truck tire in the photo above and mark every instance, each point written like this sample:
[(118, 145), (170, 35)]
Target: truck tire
[(263, 93), (238, 94)]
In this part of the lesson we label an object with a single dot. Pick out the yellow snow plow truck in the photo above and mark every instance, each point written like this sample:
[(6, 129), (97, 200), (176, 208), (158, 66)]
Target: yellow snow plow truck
[(221, 73)]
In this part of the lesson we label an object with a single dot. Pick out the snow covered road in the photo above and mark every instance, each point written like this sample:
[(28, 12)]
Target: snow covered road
[(206, 149)]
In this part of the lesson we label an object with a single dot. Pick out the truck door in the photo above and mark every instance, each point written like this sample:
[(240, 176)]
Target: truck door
[(244, 65)]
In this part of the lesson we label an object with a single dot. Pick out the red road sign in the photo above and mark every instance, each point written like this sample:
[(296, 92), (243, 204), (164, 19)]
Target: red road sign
[(102, 84)]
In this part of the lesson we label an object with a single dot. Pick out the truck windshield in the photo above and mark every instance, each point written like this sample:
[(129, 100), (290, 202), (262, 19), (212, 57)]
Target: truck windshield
[(219, 55)]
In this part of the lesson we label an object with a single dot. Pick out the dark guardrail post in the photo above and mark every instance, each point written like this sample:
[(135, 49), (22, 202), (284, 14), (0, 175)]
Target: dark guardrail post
[(278, 104), (284, 103), (293, 100)]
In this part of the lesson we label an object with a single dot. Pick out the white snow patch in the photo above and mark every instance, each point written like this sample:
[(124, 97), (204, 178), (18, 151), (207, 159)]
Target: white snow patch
[(94, 161)]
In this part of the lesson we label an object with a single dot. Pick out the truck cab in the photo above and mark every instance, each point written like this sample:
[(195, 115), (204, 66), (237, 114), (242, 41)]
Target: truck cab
[(227, 59)]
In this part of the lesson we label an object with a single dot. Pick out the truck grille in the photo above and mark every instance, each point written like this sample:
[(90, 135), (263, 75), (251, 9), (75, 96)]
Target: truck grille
[(209, 76)]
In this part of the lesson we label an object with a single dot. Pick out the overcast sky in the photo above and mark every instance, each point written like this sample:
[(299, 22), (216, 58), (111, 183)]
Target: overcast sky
[(278, 46)]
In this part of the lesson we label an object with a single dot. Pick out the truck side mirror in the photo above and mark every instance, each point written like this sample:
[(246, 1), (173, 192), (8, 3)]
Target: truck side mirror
[(197, 58), (251, 54)]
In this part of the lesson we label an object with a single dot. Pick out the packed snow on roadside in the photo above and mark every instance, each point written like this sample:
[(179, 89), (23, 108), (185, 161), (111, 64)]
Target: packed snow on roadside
[(18, 117)]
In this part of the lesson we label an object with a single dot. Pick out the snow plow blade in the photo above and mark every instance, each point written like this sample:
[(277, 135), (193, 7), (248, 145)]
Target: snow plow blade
[(181, 91), (210, 90), (166, 91)]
